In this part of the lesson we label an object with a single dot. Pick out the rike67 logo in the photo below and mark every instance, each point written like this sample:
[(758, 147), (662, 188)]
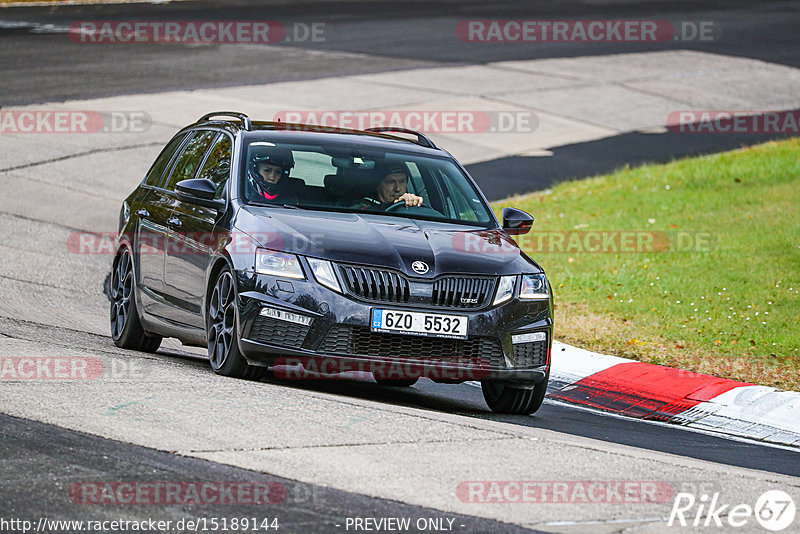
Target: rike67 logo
[(774, 510)]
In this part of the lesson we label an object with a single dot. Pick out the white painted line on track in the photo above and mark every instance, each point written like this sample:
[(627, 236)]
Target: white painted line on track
[(730, 437)]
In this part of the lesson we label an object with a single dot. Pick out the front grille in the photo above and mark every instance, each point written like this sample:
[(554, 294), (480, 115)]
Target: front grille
[(384, 286), (458, 292), (375, 284), (530, 354), (474, 351), (277, 332)]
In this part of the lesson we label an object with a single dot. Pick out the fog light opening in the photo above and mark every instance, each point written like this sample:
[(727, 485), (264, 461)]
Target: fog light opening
[(285, 316), (528, 338)]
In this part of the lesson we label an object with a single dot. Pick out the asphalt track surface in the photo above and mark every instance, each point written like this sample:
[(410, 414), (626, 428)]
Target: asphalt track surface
[(46, 459), (41, 460), (41, 67)]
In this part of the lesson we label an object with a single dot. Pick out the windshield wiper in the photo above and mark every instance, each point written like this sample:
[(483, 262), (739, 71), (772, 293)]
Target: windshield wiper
[(271, 205)]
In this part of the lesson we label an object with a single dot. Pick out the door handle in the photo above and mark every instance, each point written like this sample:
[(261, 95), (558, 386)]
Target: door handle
[(174, 221), (141, 212)]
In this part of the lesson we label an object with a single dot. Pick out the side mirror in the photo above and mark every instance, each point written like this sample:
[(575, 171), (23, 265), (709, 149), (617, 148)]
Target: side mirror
[(516, 222), (199, 191)]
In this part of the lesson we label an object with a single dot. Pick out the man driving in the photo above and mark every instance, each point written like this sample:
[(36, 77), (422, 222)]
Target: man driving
[(390, 189)]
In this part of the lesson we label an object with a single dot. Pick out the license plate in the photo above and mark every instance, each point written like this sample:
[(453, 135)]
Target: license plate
[(419, 323)]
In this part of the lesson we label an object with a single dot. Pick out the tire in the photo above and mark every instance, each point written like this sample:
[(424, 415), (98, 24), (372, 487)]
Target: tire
[(222, 334), (126, 329), (395, 382), (504, 398)]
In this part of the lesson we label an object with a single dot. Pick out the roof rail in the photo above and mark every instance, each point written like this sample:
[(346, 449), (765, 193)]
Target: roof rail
[(422, 139), (246, 122)]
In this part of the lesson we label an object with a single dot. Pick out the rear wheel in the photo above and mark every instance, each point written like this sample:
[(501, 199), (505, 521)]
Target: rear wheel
[(222, 335), (126, 329), (506, 398)]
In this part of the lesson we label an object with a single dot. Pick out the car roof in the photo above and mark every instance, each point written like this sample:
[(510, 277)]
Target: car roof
[(379, 138), (345, 138)]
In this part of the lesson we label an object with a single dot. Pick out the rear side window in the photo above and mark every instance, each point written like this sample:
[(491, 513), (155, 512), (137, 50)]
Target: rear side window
[(156, 172), (217, 166), (191, 157), (312, 167)]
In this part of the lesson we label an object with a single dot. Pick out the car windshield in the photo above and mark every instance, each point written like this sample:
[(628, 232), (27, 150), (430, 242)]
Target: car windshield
[(360, 180)]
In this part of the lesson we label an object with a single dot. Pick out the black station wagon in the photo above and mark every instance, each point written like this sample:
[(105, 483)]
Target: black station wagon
[(296, 248)]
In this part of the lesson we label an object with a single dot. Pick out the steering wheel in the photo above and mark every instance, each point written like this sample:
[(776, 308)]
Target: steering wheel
[(422, 209), (397, 205)]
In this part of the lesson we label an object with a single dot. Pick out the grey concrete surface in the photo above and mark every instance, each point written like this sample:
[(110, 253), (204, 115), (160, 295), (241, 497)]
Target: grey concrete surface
[(573, 100)]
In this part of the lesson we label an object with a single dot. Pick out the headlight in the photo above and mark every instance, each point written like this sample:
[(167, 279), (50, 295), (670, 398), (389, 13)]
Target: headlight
[(534, 286), (505, 289), (278, 264), (323, 272)]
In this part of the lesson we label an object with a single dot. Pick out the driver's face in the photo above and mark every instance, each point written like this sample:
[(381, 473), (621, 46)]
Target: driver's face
[(270, 173), (392, 187)]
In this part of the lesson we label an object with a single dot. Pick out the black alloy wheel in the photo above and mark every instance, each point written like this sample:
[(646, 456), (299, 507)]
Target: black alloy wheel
[(126, 329), (223, 347)]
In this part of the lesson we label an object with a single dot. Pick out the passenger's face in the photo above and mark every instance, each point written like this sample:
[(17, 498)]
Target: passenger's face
[(270, 173), (392, 187)]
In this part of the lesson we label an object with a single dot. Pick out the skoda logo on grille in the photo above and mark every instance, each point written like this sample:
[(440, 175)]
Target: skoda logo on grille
[(420, 267)]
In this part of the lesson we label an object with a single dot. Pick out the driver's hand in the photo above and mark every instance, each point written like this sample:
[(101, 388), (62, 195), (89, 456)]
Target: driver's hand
[(410, 199)]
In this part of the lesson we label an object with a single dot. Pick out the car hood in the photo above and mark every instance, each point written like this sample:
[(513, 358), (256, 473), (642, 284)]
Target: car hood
[(385, 241)]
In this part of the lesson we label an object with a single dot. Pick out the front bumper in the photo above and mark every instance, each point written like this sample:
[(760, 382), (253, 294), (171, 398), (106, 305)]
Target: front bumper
[(333, 335)]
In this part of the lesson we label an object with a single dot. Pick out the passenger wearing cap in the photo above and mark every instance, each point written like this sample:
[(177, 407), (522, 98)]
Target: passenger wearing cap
[(269, 174), (391, 189)]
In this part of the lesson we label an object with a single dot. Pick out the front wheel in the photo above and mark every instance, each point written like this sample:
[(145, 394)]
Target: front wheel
[(222, 334), (126, 329), (505, 398)]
